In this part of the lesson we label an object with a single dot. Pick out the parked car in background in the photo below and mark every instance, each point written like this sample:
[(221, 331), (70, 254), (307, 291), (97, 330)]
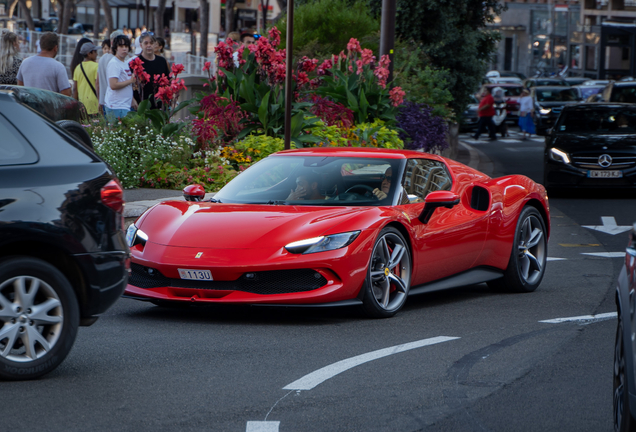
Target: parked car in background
[(535, 82), (576, 80), (620, 91), (469, 118), (624, 382), (597, 82), (513, 74), (505, 80), (548, 103), (585, 91), (592, 145), (63, 253), (512, 93)]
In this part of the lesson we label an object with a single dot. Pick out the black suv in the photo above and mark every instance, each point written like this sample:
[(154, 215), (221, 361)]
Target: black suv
[(621, 91), (63, 254)]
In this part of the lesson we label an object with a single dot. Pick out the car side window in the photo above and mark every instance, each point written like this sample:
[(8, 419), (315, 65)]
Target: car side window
[(14, 148), (423, 176)]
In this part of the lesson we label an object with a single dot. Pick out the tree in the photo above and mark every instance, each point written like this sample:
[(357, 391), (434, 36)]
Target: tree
[(65, 21), (204, 13), (229, 15), (96, 16), (453, 35), (109, 17), (159, 13), (27, 15)]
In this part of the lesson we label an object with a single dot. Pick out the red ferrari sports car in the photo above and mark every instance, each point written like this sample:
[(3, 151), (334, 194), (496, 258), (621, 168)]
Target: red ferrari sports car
[(342, 226)]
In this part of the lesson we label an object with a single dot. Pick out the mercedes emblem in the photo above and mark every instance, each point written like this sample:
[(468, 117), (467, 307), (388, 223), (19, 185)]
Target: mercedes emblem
[(604, 160)]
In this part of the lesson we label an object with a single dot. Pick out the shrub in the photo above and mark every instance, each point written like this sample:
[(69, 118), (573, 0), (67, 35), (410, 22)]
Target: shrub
[(374, 134), (129, 149), (258, 147), (421, 130)]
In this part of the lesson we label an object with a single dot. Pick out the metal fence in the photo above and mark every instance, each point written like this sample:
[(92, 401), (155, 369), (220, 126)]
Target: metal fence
[(194, 64)]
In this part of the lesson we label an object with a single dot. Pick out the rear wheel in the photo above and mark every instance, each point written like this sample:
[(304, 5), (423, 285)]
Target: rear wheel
[(623, 420), (77, 130), (526, 266), (39, 316), (388, 275)]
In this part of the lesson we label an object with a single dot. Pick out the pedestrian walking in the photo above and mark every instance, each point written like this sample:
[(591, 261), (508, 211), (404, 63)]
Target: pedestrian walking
[(42, 70), (86, 81), (102, 66), (9, 60), (526, 114), (153, 65), (119, 94), (501, 111), (486, 111)]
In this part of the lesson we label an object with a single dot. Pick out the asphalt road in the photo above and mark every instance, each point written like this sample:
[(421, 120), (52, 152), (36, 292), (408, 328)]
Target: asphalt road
[(462, 360)]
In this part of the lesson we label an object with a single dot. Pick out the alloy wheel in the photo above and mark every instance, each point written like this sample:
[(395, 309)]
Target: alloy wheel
[(531, 250), (390, 271)]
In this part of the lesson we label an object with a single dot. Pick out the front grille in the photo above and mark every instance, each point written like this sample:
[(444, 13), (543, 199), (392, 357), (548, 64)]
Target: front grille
[(265, 282), (591, 162)]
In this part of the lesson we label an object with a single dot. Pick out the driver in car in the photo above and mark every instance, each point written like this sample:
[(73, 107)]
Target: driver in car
[(306, 188), (383, 191)]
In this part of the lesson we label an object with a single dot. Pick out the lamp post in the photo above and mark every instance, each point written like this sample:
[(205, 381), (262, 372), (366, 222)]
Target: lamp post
[(387, 32), (288, 73)]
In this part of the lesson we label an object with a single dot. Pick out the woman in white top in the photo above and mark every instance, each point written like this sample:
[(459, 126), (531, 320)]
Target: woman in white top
[(526, 114), (119, 94)]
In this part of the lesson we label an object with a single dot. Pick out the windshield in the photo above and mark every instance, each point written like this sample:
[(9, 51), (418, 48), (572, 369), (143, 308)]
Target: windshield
[(589, 91), (315, 180), (623, 94), (557, 95), (614, 121)]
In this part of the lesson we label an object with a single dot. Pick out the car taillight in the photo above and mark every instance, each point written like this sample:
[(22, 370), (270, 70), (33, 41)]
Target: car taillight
[(113, 195)]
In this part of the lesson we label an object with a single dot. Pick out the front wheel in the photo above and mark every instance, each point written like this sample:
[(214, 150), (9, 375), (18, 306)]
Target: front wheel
[(388, 275), (39, 316), (623, 420), (526, 266)]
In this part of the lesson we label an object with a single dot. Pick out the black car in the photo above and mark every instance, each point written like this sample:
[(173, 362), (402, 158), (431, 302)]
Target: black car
[(620, 91), (536, 82), (469, 119), (63, 252), (548, 103), (625, 345), (592, 145)]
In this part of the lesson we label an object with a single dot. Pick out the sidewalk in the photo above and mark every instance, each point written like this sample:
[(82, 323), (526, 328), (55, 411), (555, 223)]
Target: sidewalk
[(139, 200)]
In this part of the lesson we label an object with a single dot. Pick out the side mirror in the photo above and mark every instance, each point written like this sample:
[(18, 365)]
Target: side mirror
[(193, 192), (437, 199), (549, 131)]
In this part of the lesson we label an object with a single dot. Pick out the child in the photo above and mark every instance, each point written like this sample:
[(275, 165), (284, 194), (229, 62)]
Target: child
[(86, 85)]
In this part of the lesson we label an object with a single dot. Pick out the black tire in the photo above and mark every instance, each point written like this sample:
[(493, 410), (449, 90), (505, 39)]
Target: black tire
[(77, 130), (623, 420), (45, 319), (388, 275), (528, 257)]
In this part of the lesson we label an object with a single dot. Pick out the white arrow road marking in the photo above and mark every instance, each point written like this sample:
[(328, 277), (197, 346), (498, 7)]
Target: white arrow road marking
[(262, 426), (605, 254), (609, 226), (599, 317), (311, 380)]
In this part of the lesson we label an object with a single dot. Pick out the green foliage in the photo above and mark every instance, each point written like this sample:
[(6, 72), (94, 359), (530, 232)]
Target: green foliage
[(421, 82), (159, 119), (200, 170), (258, 147), (453, 36), (129, 148), (375, 134), (323, 27)]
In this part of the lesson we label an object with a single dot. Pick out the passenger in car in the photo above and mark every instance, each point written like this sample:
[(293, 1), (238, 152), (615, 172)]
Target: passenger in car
[(385, 186), (307, 188)]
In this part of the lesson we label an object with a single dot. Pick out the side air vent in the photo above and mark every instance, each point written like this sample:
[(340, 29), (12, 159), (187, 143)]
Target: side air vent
[(480, 200)]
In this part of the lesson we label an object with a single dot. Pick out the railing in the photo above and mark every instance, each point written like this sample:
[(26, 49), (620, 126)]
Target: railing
[(194, 64)]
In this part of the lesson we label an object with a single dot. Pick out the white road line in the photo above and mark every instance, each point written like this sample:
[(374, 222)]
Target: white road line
[(605, 254), (524, 149), (313, 379), (599, 317), (262, 426), (557, 259)]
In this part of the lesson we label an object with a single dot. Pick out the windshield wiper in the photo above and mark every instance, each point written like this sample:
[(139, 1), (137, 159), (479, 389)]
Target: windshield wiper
[(214, 200), (275, 202)]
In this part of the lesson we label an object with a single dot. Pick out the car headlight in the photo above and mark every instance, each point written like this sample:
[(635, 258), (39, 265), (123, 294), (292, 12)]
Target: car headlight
[(545, 111), (322, 243), (135, 236), (559, 155)]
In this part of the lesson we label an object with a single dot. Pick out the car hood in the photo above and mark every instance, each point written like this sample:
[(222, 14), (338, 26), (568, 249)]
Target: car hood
[(555, 104), (582, 142), (239, 226)]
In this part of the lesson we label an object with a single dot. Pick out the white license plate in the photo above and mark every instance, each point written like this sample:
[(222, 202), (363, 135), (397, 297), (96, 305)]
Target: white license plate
[(604, 174), (193, 274)]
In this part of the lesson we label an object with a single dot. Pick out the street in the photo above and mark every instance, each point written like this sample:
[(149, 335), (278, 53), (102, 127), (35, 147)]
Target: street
[(467, 359)]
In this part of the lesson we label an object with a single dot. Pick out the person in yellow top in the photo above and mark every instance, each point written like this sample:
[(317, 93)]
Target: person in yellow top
[(85, 79)]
